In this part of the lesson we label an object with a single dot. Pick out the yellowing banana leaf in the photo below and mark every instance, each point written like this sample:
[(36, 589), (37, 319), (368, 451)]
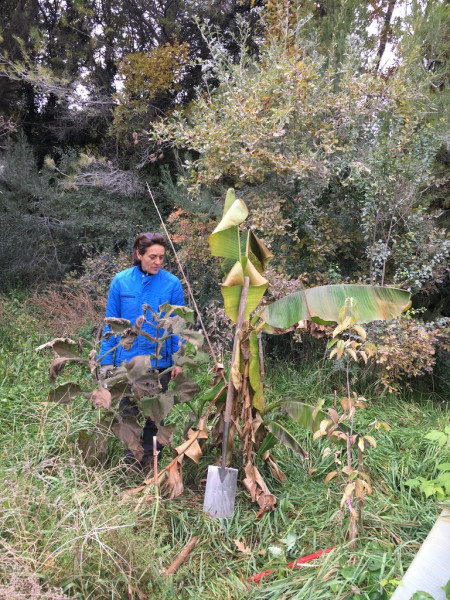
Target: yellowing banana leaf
[(232, 287), (323, 303), (224, 240)]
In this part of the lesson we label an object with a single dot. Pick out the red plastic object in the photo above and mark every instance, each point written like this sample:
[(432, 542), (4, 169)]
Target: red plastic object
[(304, 559)]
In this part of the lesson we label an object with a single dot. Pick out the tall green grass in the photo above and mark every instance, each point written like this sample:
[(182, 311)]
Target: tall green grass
[(67, 525)]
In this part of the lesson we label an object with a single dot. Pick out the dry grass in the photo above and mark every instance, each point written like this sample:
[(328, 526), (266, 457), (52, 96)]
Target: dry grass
[(64, 311)]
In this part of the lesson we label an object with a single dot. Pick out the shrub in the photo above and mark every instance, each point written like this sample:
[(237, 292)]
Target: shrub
[(407, 348)]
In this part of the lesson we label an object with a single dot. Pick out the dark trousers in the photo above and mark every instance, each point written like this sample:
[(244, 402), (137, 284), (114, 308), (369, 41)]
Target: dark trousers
[(128, 408)]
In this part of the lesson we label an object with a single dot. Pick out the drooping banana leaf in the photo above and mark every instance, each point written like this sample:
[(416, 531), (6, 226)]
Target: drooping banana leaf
[(323, 303), (286, 438), (304, 414)]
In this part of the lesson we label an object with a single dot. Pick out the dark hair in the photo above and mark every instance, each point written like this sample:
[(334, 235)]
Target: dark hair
[(144, 241)]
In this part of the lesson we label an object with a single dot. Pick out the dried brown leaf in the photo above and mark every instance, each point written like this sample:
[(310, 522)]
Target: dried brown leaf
[(241, 547)]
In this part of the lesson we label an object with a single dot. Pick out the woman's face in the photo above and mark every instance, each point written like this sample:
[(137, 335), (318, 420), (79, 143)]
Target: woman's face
[(152, 258)]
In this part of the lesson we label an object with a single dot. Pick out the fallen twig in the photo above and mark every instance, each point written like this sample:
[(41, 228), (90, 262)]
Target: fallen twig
[(181, 557)]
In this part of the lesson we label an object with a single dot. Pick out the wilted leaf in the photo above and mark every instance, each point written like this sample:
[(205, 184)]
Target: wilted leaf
[(56, 368), (118, 326), (346, 403), (157, 407), (333, 414), (174, 483), (64, 393), (360, 331), (330, 476), (165, 433), (194, 337), (64, 347), (129, 432), (241, 547), (352, 353), (371, 440), (342, 326), (348, 493), (191, 447), (185, 388), (101, 398), (383, 424), (138, 367), (128, 338), (274, 468)]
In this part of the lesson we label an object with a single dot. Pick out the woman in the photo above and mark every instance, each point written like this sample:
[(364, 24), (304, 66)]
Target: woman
[(143, 284)]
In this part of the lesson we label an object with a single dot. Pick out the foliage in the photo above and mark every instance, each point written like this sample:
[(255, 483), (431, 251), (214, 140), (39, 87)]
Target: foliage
[(440, 485), (406, 348), (245, 259), (46, 228), (349, 342), (73, 525), (136, 380), (148, 77), (331, 156), (62, 310)]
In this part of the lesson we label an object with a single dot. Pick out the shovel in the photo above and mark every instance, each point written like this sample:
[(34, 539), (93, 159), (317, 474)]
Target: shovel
[(221, 483)]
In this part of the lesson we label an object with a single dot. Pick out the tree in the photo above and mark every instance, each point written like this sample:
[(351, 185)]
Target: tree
[(340, 154)]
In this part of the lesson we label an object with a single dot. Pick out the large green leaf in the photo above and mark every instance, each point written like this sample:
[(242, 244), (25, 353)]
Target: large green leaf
[(224, 240), (232, 288), (268, 443), (323, 303), (286, 438), (304, 414)]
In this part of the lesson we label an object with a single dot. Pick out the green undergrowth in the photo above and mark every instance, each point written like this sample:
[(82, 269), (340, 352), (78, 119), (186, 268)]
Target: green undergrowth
[(70, 526)]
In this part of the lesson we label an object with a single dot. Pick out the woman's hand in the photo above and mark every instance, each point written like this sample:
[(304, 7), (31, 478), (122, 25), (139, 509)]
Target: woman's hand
[(176, 371)]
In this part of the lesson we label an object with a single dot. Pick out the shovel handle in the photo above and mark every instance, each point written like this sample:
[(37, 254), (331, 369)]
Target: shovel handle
[(230, 389)]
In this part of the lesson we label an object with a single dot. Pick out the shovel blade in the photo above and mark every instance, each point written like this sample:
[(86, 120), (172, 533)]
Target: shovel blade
[(220, 492)]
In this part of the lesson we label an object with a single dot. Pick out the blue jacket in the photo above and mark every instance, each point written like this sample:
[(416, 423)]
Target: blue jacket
[(129, 291)]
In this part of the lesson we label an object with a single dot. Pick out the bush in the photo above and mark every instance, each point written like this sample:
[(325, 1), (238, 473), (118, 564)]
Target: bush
[(407, 348)]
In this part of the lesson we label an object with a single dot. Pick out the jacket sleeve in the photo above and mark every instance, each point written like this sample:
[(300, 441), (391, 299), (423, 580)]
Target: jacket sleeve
[(176, 298), (112, 310)]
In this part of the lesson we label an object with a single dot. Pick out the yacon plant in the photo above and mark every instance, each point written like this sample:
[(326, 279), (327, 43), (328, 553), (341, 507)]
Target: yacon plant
[(246, 256), (136, 379)]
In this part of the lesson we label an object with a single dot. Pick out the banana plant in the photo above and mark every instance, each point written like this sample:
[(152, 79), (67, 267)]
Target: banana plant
[(246, 255)]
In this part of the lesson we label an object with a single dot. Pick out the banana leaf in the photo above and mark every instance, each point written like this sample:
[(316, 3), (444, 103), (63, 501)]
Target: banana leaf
[(323, 303)]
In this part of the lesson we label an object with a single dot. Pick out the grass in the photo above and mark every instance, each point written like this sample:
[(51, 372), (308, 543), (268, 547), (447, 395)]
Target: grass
[(68, 530)]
